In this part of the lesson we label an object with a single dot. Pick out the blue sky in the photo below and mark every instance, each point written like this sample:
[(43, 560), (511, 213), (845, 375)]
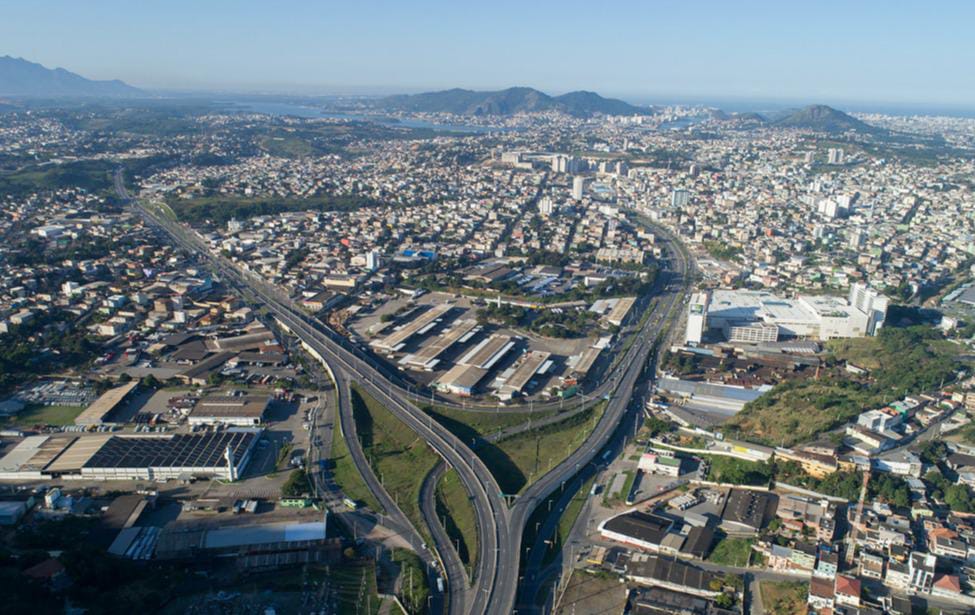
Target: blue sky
[(859, 50)]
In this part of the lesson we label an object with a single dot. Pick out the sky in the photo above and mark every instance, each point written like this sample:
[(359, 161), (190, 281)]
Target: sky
[(642, 51)]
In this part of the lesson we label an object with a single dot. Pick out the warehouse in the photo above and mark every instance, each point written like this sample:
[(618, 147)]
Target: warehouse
[(514, 380), (222, 454), (100, 409), (240, 410), (418, 326), (428, 357)]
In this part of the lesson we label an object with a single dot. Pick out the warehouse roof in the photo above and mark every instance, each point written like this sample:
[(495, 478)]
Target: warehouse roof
[(99, 409)]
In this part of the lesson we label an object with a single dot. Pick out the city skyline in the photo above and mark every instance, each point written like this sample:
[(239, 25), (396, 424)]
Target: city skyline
[(664, 52)]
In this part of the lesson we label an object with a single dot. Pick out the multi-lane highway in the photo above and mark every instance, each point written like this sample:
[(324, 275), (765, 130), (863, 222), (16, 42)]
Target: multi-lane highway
[(500, 528)]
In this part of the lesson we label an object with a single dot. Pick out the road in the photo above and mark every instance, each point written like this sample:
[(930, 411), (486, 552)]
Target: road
[(634, 364), (500, 529), (452, 563), (494, 565)]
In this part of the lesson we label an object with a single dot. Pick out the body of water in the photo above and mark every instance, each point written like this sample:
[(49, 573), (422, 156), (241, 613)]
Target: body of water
[(304, 111)]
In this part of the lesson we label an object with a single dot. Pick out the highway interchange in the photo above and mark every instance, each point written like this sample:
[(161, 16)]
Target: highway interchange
[(500, 527)]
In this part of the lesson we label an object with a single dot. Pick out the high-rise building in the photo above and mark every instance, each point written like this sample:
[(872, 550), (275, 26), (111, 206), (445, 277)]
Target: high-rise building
[(697, 314), (834, 155), (546, 206), (373, 260), (870, 302), (578, 185)]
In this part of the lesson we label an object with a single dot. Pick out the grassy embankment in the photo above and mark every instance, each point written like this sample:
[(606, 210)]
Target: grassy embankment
[(520, 459), (399, 457), (900, 361), (457, 514)]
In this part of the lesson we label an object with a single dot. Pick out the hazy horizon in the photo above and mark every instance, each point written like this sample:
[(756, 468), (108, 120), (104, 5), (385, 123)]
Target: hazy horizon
[(839, 53)]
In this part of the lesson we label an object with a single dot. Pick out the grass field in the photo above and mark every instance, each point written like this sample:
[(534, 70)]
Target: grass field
[(732, 552), (526, 457), (484, 423), (454, 506), (784, 597), (399, 457), (36, 414), (346, 475), (517, 461)]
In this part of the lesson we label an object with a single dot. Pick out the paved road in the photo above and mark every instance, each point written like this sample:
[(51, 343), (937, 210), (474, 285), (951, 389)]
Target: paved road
[(634, 364), (500, 529), (448, 554)]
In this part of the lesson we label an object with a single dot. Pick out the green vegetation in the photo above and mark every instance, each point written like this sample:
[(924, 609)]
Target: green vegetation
[(901, 362), (567, 520), (41, 346), (784, 597), (721, 250), (536, 452), (737, 471), (100, 583), (957, 497), (566, 323), (731, 551), (347, 476), (91, 175), (36, 414), (220, 209), (397, 455), (455, 509), (482, 423), (296, 485), (618, 497), (518, 460), (413, 588)]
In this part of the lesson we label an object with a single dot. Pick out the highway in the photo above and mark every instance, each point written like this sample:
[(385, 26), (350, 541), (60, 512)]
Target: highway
[(452, 563), (500, 529), (495, 564)]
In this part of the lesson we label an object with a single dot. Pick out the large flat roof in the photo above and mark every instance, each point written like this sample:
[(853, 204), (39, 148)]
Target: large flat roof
[(221, 406), (441, 343), (394, 340), (462, 376), (265, 533), (100, 408), (530, 364), (488, 352), (160, 451)]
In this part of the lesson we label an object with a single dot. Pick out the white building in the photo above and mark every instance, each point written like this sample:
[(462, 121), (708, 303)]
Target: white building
[(578, 187), (761, 316), (697, 322)]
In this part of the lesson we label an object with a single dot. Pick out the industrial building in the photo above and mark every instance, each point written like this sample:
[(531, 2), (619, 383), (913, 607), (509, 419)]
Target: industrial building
[(470, 369), (428, 357), (514, 380), (100, 409), (418, 326), (240, 410), (222, 454), (756, 316)]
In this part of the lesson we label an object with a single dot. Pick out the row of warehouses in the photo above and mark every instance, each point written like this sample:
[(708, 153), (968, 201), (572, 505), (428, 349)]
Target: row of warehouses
[(474, 365), (219, 454)]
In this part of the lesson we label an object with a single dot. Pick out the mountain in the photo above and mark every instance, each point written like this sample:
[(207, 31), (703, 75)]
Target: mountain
[(21, 78), (508, 102), (823, 119)]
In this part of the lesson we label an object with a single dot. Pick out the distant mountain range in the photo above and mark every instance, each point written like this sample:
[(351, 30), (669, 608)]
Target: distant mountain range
[(509, 102), (823, 119), (21, 78), (819, 118)]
